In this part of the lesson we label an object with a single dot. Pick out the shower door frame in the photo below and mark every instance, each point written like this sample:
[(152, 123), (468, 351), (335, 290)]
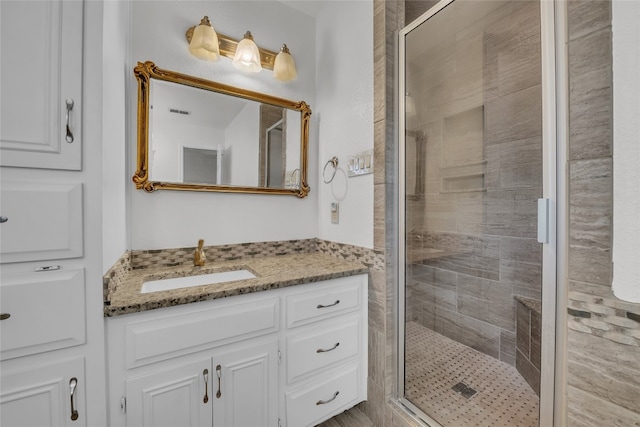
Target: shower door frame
[(554, 77)]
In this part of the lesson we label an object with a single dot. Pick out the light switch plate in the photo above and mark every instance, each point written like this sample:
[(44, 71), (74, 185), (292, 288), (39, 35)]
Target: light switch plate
[(360, 163)]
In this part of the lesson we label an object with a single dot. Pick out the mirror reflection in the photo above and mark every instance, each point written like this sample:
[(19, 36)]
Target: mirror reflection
[(195, 134)]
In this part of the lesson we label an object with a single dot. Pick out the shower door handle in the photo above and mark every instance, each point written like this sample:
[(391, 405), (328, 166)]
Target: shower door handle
[(544, 216)]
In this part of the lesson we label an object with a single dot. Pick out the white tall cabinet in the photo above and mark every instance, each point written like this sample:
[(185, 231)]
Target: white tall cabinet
[(51, 327)]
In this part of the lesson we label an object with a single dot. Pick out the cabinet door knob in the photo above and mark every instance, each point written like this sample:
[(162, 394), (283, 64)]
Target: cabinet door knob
[(4, 316), (3, 219), (72, 386)]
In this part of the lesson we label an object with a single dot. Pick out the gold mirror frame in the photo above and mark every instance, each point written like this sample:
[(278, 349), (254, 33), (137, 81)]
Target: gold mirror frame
[(146, 71)]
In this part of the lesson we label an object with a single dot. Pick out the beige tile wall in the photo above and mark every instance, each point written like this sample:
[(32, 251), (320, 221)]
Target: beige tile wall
[(603, 332), (603, 362)]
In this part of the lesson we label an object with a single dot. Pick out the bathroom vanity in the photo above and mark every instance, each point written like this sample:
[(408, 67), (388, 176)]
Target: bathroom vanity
[(286, 348)]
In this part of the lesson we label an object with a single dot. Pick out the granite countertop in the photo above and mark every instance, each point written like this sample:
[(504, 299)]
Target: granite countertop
[(271, 273)]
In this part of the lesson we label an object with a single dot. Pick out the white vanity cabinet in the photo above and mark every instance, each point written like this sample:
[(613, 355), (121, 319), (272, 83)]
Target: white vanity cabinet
[(285, 357), (234, 386), (203, 364)]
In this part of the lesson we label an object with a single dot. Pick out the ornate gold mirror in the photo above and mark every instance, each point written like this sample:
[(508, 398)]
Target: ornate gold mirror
[(199, 135)]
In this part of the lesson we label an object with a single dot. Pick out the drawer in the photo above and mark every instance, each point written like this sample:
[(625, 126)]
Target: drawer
[(165, 336), (46, 312), (336, 297), (44, 221), (322, 345), (307, 406)]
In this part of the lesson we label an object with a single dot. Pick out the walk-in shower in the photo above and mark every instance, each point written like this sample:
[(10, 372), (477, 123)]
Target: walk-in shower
[(474, 188)]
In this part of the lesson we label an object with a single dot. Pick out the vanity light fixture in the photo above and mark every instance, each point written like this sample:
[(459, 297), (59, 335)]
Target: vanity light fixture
[(247, 57), (205, 43), (284, 68)]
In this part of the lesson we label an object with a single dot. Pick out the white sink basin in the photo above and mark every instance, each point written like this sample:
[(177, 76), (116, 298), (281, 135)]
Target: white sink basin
[(190, 281)]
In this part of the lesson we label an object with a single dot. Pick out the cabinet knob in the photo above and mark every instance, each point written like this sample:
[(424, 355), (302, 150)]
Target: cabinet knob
[(4, 316), (3, 219)]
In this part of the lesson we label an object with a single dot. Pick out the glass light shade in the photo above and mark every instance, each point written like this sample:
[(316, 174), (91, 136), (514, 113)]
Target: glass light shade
[(204, 41), (284, 67), (247, 57)]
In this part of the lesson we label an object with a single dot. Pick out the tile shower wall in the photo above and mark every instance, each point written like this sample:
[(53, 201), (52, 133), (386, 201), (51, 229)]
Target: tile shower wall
[(602, 379), (472, 237), (603, 357)]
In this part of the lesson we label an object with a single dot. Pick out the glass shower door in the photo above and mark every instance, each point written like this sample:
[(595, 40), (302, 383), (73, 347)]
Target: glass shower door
[(472, 164)]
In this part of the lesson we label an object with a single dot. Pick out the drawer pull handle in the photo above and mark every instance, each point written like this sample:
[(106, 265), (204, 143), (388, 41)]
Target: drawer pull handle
[(324, 402), (219, 374), (330, 305), (205, 374), (72, 386), (322, 350), (5, 316)]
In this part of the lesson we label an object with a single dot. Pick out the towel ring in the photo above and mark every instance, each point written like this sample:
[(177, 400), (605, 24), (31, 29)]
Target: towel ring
[(334, 162)]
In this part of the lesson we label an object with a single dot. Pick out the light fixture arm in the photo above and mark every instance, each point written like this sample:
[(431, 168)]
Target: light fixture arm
[(228, 47)]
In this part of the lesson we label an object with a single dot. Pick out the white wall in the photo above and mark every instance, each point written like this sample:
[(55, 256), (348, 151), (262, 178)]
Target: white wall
[(115, 180), (241, 142), (168, 219), (344, 87)]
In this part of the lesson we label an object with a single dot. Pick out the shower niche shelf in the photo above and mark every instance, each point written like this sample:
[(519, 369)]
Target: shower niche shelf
[(462, 152), (462, 178)]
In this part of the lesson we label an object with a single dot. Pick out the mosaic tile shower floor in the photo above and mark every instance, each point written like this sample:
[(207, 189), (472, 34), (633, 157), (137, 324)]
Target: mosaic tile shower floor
[(437, 363)]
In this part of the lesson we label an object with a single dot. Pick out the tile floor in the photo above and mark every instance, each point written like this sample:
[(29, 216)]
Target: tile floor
[(354, 417), (437, 363)]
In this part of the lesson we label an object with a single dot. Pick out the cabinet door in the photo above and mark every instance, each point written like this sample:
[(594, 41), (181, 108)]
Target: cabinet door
[(179, 396), (246, 377), (44, 396), (41, 58)]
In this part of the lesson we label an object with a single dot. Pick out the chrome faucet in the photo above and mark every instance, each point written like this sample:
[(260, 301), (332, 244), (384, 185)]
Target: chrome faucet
[(199, 257)]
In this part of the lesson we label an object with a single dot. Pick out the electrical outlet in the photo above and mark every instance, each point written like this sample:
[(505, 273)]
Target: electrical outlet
[(335, 213)]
